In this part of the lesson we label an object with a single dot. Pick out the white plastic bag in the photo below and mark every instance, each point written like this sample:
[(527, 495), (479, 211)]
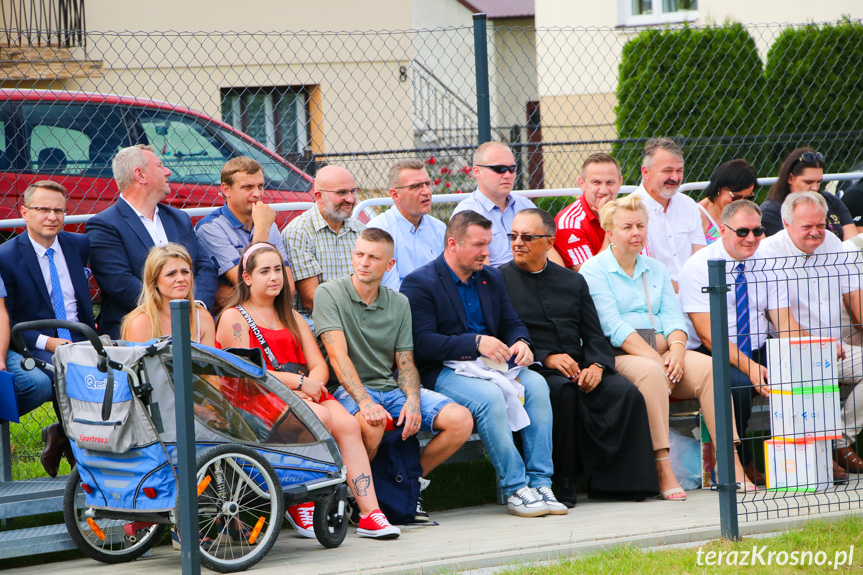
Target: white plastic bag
[(685, 459)]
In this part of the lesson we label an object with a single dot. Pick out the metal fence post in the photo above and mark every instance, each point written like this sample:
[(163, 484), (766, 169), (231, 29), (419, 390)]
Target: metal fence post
[(725, 483), (187, 494), (483, 107)]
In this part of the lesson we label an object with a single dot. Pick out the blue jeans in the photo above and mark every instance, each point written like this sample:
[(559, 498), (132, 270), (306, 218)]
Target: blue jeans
[(394, 400), (32, 388), (485, 401)]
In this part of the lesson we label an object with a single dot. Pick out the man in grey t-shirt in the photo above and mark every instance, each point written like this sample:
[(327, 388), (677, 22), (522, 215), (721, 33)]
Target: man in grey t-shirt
[(364, 328)]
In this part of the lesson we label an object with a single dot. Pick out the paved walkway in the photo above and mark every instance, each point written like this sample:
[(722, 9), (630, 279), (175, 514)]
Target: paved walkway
[(486, 536)]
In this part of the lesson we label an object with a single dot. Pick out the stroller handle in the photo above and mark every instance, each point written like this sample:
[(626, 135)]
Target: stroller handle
[(105, 364)]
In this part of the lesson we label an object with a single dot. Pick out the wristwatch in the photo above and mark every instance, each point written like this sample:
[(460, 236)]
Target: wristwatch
[(599, 365)]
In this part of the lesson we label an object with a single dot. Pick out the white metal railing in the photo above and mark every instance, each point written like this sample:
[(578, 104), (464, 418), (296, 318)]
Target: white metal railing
[(436, 199), (193, 212)]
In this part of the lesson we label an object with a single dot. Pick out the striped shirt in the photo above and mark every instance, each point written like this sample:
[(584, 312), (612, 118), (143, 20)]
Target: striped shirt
[(315, 250), (579, 235)]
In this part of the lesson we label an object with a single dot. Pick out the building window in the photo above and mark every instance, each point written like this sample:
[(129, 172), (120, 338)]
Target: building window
[(277, 117), (647, 12)]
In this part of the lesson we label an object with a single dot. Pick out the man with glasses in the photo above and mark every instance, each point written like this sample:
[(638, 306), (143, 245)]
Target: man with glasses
[(45, 274), (244, 218), (822, 279), (418, 235), (320, 241), (494, 171), (754, 299)]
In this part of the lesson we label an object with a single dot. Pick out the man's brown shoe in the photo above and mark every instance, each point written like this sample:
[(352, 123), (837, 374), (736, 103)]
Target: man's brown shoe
[(847, 458), (839, 475), (56, 443)]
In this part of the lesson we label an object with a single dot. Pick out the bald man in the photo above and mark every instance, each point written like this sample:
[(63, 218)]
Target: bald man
[(320, 241)]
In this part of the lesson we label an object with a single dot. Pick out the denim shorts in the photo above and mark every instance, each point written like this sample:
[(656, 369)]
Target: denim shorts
[(430, 403)]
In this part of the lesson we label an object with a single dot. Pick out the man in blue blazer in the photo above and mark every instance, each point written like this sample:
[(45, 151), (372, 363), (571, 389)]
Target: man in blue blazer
[(44, 270), (461, 313), (122, 236)]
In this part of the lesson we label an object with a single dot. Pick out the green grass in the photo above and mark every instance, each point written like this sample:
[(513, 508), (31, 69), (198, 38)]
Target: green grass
[(815, 536), (27, 443)]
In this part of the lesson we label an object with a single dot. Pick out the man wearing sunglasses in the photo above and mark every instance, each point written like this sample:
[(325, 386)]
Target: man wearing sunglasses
[(494, 171), (418, 235), (45, 274), (753, 301), (822, 278), (321, 240)]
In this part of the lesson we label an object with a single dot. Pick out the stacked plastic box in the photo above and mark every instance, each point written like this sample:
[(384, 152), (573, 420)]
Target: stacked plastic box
[(804, 413)]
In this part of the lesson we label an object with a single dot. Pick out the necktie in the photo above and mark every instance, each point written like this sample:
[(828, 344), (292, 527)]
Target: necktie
[(742, 296), (57, 295)]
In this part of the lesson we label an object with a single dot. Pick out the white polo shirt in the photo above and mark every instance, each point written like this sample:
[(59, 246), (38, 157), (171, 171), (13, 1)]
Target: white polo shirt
[(763, 290), (671, 233), (816, 282)]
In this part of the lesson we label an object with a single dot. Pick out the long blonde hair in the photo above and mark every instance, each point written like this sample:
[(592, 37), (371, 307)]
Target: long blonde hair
[(150, 301)]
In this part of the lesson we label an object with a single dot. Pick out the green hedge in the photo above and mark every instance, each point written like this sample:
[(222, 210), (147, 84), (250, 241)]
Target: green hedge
[(689, 82), (710, 83), (814, 82)]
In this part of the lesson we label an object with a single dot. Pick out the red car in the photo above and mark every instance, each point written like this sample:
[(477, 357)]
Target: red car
[(71, 138)]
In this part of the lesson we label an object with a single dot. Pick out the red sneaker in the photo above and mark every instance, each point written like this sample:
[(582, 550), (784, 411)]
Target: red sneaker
[(300, 517), (375, 525)]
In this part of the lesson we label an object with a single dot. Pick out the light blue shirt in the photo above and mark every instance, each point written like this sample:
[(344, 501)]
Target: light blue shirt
[(620, 299), (415, 246), (500, 251)]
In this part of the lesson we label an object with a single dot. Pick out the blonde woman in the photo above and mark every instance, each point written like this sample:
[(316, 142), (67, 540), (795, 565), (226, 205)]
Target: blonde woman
[(640, 314), (167, 276)]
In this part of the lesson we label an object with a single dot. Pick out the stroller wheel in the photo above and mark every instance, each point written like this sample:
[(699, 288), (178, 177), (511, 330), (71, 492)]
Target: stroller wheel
[(331, 524), (240, 507), (105, 540)]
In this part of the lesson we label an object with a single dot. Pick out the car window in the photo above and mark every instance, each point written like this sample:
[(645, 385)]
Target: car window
[(185, 147), (279, 176), (73, 139)]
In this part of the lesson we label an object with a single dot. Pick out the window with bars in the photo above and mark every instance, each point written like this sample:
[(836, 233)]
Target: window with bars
[(277, 117)]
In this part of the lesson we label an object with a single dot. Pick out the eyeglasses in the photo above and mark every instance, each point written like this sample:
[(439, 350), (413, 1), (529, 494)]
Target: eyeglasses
[(737, 197), (500, 168), (809, 158), (342, 193), (743, 232), (45, 211), (415, 187), (525, 237)]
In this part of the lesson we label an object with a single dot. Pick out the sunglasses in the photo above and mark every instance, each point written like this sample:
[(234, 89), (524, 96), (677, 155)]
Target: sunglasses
[(809, 158), (500, 168), (415, 187), (737, 197), (525, 237), (743, 232)]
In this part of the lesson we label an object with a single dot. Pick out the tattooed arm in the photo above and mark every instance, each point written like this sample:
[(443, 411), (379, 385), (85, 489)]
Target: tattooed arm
[(337, 349), (409, 383)]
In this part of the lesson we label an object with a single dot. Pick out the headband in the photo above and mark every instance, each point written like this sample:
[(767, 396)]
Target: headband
[(252, 250)]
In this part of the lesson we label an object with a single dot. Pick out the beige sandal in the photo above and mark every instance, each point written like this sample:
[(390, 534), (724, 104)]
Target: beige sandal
[(667, 494)]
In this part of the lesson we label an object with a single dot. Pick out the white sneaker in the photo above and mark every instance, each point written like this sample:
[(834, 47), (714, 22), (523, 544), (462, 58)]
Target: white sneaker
[(526, 503), (555, 507), (301, 517)]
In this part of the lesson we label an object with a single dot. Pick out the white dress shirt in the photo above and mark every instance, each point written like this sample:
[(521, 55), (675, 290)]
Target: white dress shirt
[(816, 282), (763, 290), (672, 233), (414, 246), (154, 227), (69, 300)]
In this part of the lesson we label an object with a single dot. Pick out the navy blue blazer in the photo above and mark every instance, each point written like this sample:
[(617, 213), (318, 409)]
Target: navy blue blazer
[(27, 296), (119, 244), (439, 321)]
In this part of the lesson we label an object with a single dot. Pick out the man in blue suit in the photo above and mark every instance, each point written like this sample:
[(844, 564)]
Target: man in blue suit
[(461, 313), (45, 274), (122, 236)]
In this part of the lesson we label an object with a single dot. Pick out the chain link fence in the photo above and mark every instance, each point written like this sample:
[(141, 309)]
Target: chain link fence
[(366, 99)]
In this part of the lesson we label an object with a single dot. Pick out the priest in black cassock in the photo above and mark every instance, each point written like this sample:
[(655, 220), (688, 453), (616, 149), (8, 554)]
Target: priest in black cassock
[(600, 421)]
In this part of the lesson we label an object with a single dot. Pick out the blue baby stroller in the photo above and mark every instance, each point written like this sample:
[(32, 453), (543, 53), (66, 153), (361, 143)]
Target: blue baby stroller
[(259, 448)]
